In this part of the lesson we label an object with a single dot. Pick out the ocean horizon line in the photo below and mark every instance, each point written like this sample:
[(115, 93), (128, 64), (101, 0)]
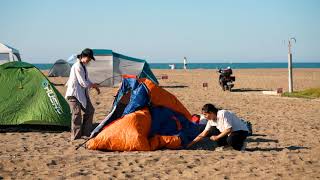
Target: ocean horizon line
[(260, 65), (193, 62)]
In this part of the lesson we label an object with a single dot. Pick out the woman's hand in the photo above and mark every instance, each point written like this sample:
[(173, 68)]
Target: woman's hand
[(214, 138), (221, 135), (96, 86)]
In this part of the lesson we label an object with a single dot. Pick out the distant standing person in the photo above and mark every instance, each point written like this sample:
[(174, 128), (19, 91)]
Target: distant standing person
[(78, 95), (184, 63)]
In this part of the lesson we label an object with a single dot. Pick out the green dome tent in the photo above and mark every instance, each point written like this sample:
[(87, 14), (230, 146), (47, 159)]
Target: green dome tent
[(28, 97), (60, 68)]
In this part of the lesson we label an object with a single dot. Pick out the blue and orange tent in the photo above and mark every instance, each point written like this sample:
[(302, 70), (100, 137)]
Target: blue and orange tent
[(144, 117)]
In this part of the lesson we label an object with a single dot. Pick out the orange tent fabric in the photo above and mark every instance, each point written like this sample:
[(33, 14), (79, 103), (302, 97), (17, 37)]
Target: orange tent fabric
[(170, 101), (126, 134), (130, 134), (170, 142)]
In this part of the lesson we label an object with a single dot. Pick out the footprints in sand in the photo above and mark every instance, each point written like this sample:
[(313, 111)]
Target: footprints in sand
[(52, 163), (81, 172), (129, 166)]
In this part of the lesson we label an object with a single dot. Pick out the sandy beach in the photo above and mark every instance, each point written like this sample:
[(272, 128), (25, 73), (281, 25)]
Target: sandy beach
[(285, 144)]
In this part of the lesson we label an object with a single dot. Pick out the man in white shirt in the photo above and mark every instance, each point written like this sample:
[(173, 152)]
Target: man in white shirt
[(227, 128), (78, 96)]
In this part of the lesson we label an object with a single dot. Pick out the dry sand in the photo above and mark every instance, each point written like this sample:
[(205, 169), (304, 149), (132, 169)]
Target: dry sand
[(285, 144)]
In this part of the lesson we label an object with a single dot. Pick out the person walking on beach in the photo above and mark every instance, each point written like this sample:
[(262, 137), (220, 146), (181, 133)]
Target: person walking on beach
[(78, 95), (224, 127), (184, 63)]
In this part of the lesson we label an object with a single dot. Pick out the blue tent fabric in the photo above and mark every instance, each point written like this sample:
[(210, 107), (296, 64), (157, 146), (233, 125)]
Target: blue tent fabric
[(139, 99), (164, 123), (127, 84)]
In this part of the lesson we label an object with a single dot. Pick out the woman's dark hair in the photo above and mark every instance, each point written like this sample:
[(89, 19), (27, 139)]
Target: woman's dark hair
[(209, 108), (86, 53), (79, 56)]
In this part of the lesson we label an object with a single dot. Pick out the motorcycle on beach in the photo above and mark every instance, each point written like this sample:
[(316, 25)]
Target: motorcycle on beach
[(226, 81)]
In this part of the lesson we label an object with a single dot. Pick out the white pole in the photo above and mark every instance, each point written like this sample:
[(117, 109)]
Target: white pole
[(290, 72), (290, 79), (11, 56)]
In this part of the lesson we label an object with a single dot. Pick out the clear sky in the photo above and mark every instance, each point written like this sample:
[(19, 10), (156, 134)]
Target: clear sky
[(164, 31)]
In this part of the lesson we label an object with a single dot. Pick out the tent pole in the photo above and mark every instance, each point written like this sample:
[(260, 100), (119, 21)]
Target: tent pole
[(82, 144)]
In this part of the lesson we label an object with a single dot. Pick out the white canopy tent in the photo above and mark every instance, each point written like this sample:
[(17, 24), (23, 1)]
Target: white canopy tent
[(109, 67), (8, 53)]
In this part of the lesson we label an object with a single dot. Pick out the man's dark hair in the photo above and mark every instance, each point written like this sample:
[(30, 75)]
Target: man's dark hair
[(209, 108)]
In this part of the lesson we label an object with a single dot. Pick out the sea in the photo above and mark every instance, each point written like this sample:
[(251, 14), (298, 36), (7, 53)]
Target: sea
[(218, 65)]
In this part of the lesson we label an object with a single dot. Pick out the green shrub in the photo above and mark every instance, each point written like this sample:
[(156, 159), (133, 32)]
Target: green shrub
[(308, 93)]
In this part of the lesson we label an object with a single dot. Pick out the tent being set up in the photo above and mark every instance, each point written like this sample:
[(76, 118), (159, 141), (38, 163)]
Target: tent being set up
[(110, 66), (27, 97), (144, 117), (60, 68), (8, 53)]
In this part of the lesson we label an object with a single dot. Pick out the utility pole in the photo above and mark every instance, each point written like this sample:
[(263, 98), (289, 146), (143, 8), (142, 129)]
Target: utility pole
[(290, 63)]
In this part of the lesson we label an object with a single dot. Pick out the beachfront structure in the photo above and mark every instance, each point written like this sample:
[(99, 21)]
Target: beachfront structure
[(8, 53), (109, 67), (172, 66), (60, 68)]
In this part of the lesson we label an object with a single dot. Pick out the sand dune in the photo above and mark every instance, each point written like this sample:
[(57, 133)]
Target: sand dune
[(285, 144)]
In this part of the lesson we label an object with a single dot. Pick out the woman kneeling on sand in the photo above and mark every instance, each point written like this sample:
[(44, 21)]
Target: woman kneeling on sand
[(224, 127)]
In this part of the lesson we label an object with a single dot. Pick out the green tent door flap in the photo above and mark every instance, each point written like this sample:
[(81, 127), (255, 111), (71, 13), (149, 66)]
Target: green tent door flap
[(147, 73), (28, 97)]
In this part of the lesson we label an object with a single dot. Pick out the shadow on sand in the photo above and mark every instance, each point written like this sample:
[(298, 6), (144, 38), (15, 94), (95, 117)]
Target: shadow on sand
[(178, 86), (58, 84), (33, 128), (207, 144), (262, 140), (258, 135), (249, 90), (292, 148)]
